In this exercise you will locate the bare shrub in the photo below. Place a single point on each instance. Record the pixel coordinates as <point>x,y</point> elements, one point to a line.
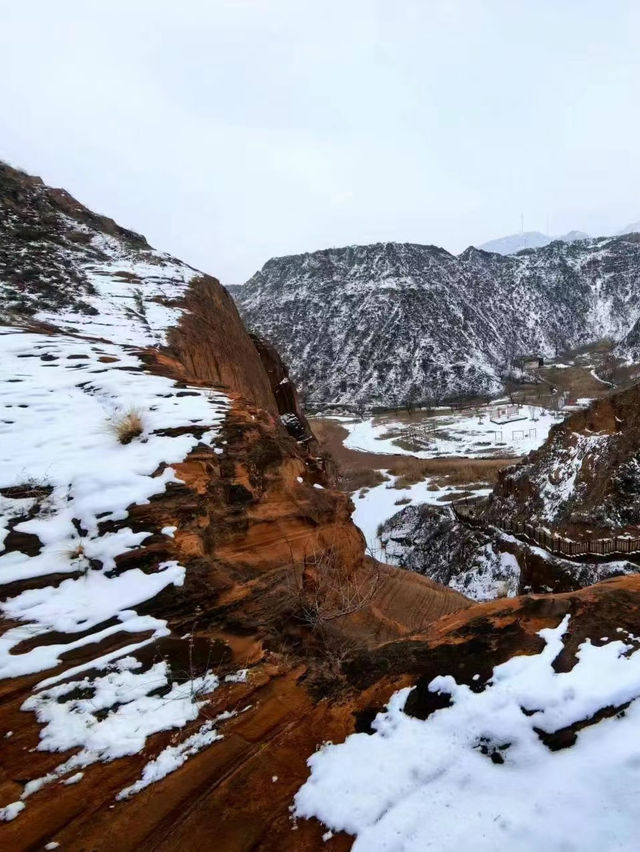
<point>127,426</point>
<point>325,589</point>
<point>407,480</point>
<point>76,551</point>
<point>37,489</point>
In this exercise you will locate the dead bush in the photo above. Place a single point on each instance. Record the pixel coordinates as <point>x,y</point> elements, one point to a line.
<point>324,589</point>
<point>127,426</point>
<point>407,480</point>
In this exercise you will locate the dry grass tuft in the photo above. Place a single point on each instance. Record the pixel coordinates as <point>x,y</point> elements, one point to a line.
<point>353,479</point>
<point>76,551</point>
<point>406,480</point>
<point>127,426</point>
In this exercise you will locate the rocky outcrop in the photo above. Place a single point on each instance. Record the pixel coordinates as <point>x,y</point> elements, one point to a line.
<point>212,345</point>
<point>432,541</point>
<point>174,554</point>
<point>482,561</point>
<point>392,323</point>
<point>585,478</point>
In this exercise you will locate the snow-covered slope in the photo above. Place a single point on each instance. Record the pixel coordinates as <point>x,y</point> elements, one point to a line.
<point>528,240</point>
<point>87,433</point>
<point>585,477</point>
<point>633,228</point>
<point>530,758</point>
<point>388,322</point>
<point>68,473</point>
<point>62,264</point>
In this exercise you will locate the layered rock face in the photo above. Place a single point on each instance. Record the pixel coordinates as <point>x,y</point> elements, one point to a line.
<point>392,322</point>
<point>180,580</point>
<point>585,478</point>
<point>187,612</point>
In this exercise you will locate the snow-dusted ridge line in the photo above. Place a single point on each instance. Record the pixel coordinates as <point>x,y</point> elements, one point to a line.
<point>387,323</point>
<point>477,775</point>
<point>133,296</point>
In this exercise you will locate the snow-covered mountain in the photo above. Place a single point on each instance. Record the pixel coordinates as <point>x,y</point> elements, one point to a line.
<point>389,322</point>
<point>527,240</point>
<point>633,228</point>
<point>135,410</point>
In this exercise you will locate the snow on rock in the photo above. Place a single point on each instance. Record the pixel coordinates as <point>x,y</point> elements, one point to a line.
<point>135,297</point>
<point>477,773</point>
<point>374,506</point>
<point>64,472</point>
<point>11,811</point>
<point>587,474</point>
<point>60,263</point>
<point>172,758</point>
<point>78,723</point>
<point>560,485</point>
<point>388,323</point>
<point>429,540</point>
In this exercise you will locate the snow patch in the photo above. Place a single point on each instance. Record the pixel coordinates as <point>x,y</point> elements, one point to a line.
<point>477,775</point>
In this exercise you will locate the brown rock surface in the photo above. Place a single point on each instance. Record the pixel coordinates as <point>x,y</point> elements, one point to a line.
<point>276,581</point>
<point>245,526</point>
<point>236,794</point>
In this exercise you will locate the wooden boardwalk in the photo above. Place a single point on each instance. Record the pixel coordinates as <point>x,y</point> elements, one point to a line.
<point>552,541</point>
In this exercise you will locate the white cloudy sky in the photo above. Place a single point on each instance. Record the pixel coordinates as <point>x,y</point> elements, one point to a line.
<point>231,131</point>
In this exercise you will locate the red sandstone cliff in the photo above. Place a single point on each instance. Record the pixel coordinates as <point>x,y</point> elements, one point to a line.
<point>274,577</point>
<point>169,462</point>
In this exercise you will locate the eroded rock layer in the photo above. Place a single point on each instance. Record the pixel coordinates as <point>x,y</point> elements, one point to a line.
<point>175,561</point>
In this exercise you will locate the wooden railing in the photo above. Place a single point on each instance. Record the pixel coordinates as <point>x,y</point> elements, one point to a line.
<point>555,542</point>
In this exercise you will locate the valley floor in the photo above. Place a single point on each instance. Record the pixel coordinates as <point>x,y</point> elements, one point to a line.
<point>440,456</point>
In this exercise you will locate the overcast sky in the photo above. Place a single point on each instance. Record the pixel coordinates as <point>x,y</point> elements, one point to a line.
<point>230,132</point>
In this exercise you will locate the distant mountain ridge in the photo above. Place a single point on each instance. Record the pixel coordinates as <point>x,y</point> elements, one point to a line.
<point>384,323</point>
<point>528,239</point>
<point>633,228</point>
